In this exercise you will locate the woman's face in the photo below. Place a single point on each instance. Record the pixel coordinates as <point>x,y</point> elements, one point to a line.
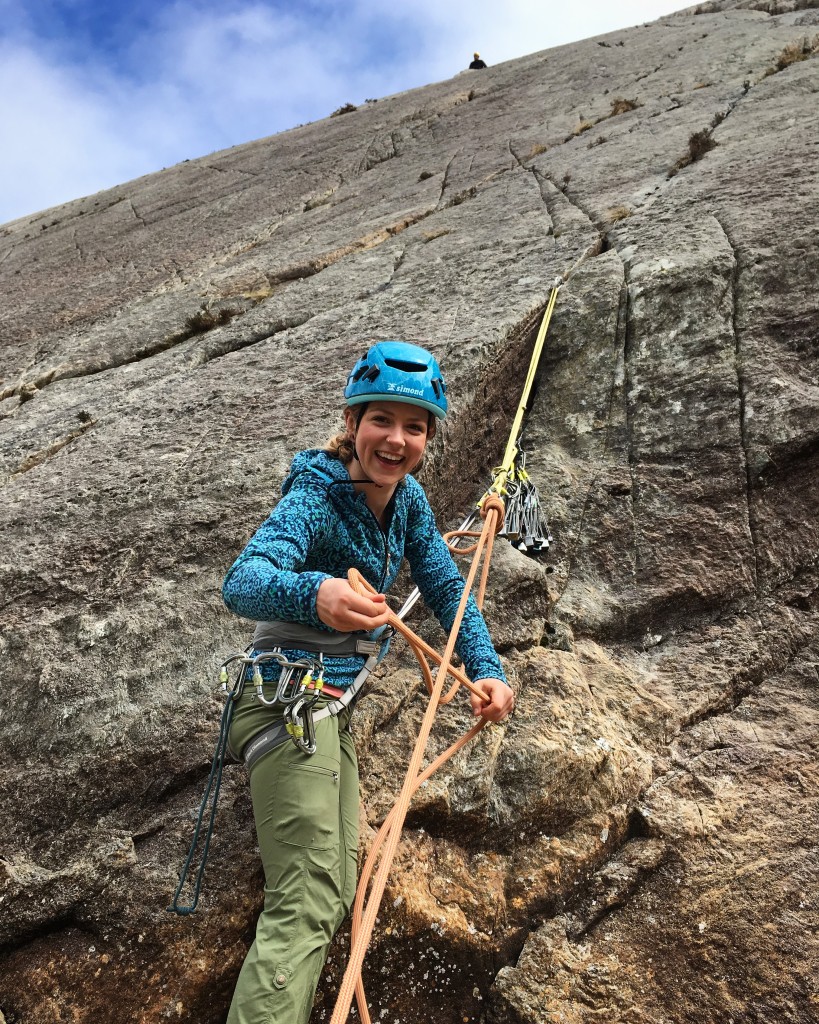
<point>389,440</point>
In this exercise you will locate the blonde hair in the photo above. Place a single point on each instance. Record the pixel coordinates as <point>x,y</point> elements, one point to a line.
<point>342,446</point>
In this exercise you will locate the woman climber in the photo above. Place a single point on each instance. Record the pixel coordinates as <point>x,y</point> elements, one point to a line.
<point>352,504</point>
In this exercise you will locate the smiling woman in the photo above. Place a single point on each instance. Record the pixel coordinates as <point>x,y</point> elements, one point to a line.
<point>353,504</point>
<point>394,395</point>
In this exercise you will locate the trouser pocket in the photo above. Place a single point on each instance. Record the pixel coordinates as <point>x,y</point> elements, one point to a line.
<point>307,803</point>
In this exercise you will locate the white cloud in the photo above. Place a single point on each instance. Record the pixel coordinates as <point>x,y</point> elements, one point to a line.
<point>454,29</point>
<point>52,129</point>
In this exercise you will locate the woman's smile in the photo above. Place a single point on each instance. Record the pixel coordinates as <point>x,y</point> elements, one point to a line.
<point>390,457</point>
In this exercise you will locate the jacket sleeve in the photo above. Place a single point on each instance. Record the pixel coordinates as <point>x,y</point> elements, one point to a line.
<point>267,580</point>
<point>441,585</point>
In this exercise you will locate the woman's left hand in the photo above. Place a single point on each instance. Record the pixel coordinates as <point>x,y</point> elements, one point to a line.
<point>501,700</point>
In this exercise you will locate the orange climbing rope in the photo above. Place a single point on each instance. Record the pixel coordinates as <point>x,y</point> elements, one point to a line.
<point>386,842</point>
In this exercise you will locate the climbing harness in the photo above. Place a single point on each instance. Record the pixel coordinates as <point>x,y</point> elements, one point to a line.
<point>278,733</point>
<point>299,688</point>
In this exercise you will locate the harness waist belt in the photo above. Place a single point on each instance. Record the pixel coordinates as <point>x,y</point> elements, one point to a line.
<point>277,734</point>
<point>276,633</point>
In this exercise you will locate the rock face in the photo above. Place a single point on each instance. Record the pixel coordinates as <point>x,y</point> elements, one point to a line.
<point>639,842</point>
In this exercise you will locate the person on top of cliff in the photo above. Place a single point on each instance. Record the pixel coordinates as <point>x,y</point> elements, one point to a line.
<point>476,62</point>
<point>351,503</point>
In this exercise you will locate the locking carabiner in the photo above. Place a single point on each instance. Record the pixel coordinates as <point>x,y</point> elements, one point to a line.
<point>298,718</point>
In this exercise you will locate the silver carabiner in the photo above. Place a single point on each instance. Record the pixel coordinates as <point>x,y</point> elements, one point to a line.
<point>289,689</point>
<point>235,690</point>
<point>294,678</point>
<point>258,681</point>
<point>298,717</point>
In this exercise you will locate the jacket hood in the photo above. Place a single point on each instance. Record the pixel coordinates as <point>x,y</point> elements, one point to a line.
<point>319,465</point>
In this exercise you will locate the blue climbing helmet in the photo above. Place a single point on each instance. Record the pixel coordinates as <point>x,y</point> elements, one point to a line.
<point>396,371</point>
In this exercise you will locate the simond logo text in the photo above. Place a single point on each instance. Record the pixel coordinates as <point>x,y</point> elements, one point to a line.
<point>401,389</point>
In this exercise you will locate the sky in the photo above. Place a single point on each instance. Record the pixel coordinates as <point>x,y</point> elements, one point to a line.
<point>98,92</point>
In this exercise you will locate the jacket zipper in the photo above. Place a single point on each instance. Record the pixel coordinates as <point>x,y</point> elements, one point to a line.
<point>385,542</point>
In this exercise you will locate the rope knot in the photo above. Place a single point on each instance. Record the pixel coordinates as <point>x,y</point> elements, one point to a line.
<point>494,501</point>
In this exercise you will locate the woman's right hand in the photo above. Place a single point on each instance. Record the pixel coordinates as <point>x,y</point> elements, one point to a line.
<point>341,608</point>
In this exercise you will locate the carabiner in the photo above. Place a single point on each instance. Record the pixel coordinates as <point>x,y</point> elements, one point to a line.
<point>258,681</point>
<point>293,680</point>
<point>298,717</point>
<point>234,692</point>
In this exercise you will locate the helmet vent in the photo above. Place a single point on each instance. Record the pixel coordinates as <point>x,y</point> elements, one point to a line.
<point>365,373</point>
<point>406,367</point>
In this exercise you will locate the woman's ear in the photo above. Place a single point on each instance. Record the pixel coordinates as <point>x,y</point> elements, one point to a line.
<point>350,421</point>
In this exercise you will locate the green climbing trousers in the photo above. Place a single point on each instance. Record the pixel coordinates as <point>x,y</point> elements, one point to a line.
<point>306,813</point>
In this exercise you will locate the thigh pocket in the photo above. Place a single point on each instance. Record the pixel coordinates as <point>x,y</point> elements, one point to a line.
<point>306,807</point>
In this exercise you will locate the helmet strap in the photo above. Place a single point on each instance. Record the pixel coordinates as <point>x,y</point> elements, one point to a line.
<point>359,416</point>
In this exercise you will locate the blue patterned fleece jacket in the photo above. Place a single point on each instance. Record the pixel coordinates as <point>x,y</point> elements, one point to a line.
<point>320,528</point>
